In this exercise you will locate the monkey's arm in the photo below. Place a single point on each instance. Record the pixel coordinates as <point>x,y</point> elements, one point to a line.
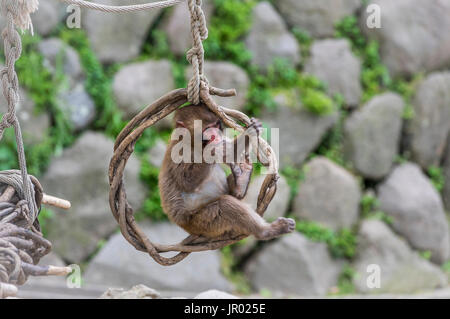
<point>242,167</point>
<point>239,179</point>
<point>237,150</point>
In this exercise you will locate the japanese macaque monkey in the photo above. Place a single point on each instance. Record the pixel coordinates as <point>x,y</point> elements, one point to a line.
<point>197,195</point>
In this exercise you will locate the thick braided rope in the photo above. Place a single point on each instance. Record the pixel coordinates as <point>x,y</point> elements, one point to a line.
<point>21,242</point>
<point>14,179</point>
<point>15,11</point>
<point>196,54</point>
<point>123,9</point>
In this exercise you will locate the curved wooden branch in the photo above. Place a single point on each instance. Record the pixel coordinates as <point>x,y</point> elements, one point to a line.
<point>124,147</point>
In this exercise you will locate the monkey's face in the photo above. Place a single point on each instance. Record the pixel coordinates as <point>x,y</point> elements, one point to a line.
<point>212,134</point>
<point>202,124</point>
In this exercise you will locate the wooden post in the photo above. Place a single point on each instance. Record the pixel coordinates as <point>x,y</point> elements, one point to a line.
<point>55,201</point>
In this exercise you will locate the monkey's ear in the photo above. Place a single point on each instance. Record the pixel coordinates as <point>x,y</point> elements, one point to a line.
<point>180,124</point>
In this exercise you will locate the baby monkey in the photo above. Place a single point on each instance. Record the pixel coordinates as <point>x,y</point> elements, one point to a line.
<point>199,197</point>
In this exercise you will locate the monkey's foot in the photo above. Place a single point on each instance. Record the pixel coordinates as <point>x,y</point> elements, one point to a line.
<point>287,225</point>
<point>279,227</point>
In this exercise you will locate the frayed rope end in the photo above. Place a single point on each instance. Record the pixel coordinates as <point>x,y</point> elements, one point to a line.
<point>23,19</point>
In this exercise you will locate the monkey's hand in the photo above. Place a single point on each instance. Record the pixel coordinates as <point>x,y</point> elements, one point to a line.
<point>239,179</point>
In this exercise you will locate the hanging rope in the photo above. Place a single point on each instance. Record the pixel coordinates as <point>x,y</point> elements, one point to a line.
<point>21,242</point>
<point>123,9</point>
<point>13,48</point>
<point>196,54</point>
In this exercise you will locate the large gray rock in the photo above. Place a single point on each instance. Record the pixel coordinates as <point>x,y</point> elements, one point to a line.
<point>136,292</point>
<point>49,15</point>
<point>119,264</point>
<point>401,269</point>
<point>139,84</point>
<point>328,195</point>
<point>78,106</point>
<point>157,152</point>
<point>372,135</point>
<point>300,131</point>
<point>215,294</point>
<point>280,203</point>
<point>317,17</point>
<point>269,38</point>
<point>177,26</point>
<point>58,54</point>
<point>117,37</point>
<point>294,265</point>
<point>226,75</point>
<point>416,209</point>
<point>34,125</point>
<point>80,175</point>
<point>412,37</point>
<point>333,62</point>
<point>73,100</point>
<point>429,128</point>
<point>446,171</point>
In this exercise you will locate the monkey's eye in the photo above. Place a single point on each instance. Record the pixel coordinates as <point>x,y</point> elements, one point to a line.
<point>217,124</point>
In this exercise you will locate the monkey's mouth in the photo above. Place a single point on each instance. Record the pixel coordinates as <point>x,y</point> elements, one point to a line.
<point>213,140</point>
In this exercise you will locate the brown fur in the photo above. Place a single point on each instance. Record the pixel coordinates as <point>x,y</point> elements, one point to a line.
<point>199,198</point>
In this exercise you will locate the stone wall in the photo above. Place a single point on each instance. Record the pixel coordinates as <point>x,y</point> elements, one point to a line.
<point>368,182</point>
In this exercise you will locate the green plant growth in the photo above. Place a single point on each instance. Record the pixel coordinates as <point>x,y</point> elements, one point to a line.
<point>446,267</point>
<point>227,27</point>
<point>305,41</point>
<point>313,95</point>
<point>152,205</point>
<point>332,145</point>
<point>231,20</point>
<point>157,47</point>
<point>97,83</point>
<point>43,88</point>
<point>437,177</point>
<point>44,216</point>
<point>8,156</point>
<point>109,119</point>
<point>426,254</point>
<point>293,177</point>
<point>345,282</point>
<point>375,77</point>
<point>407,90</point>
<point>370,209</point>
<point>281,76</point>
<point>229,269</point>
<point>341,243</point>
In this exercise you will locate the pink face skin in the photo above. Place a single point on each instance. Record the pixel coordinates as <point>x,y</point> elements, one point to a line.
<point>212,134</point>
